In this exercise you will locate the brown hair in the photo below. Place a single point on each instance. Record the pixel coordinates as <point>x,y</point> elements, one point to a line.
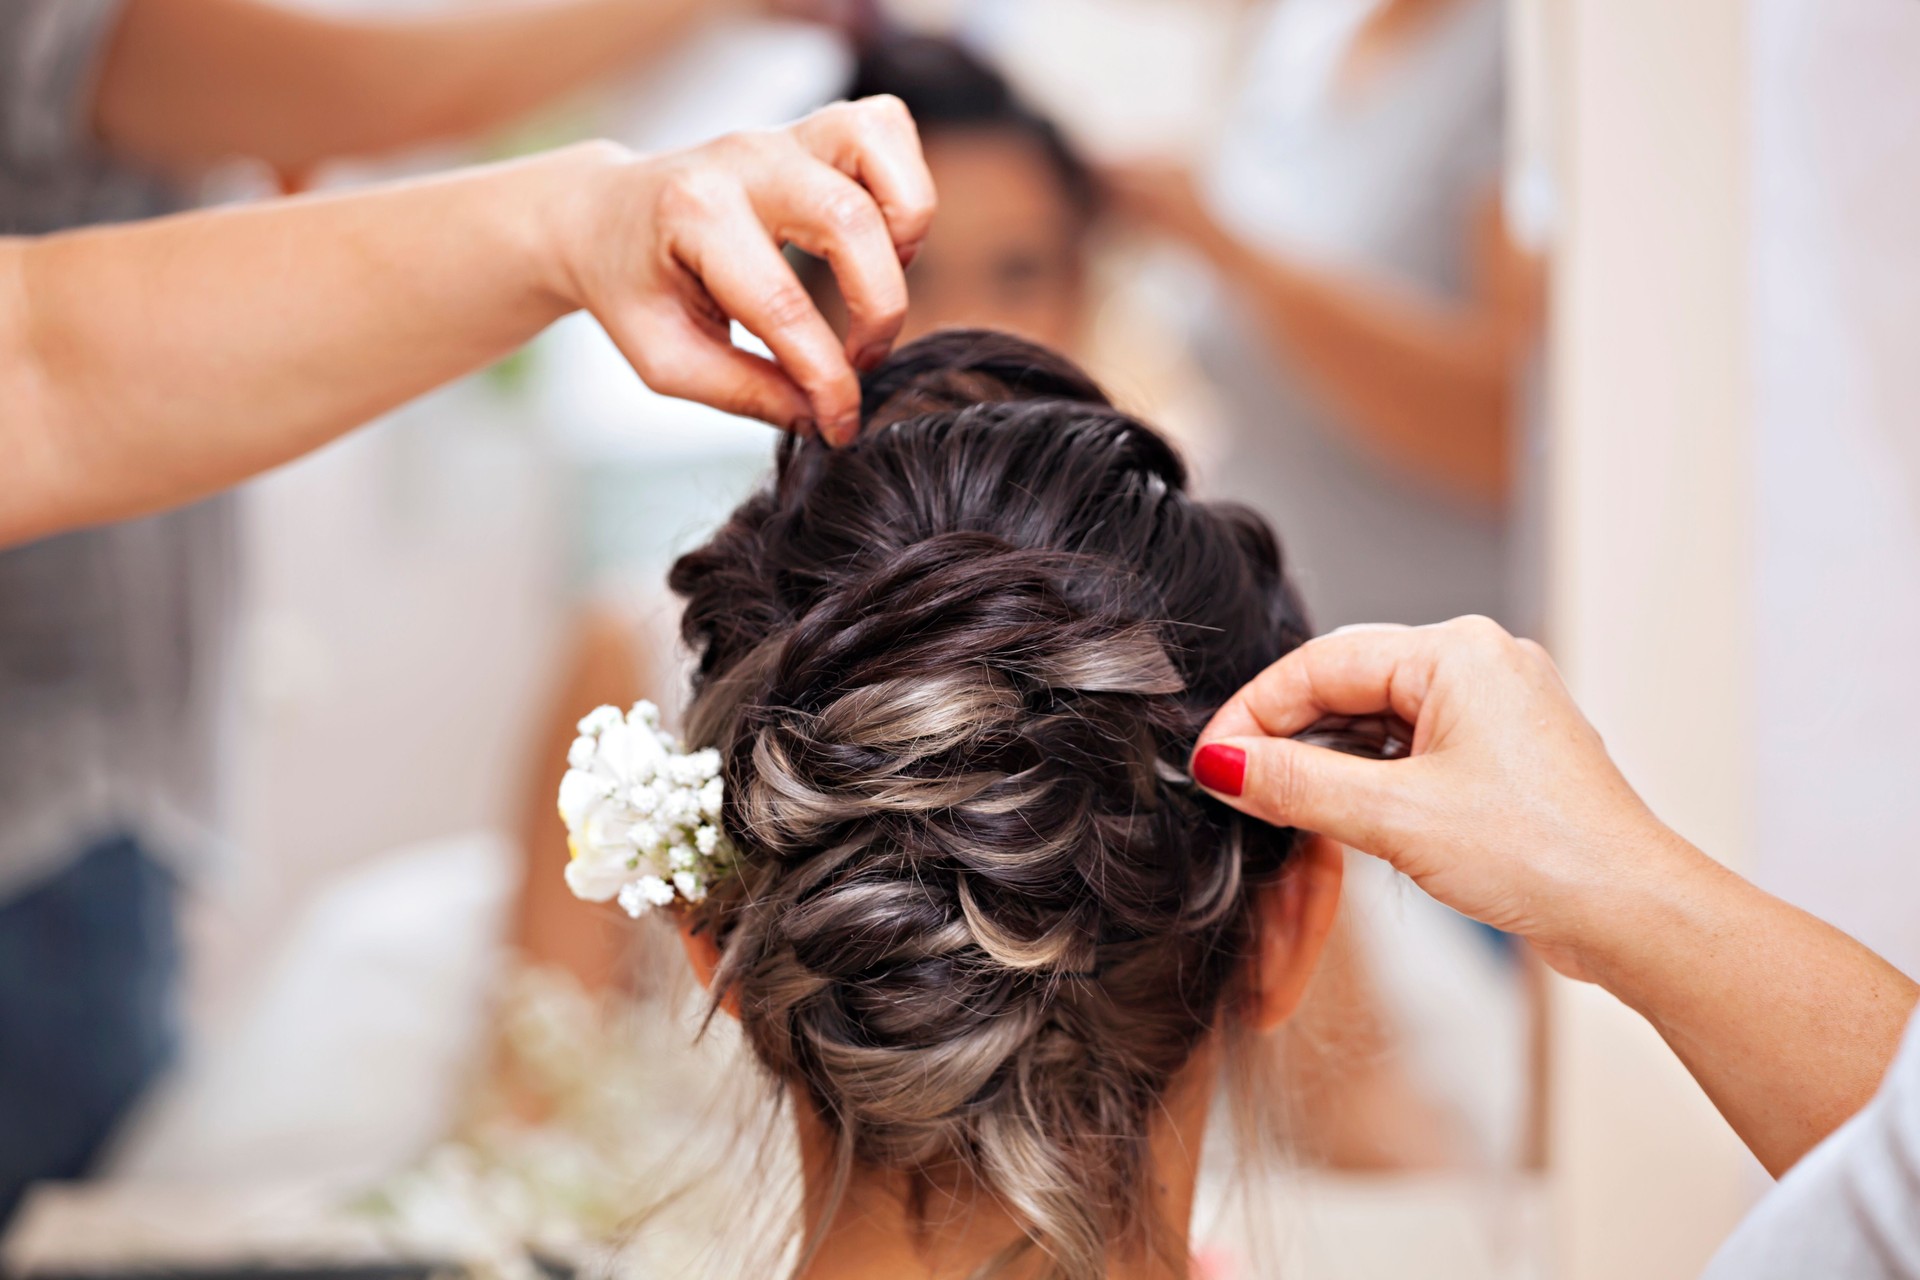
<point>955,670</point>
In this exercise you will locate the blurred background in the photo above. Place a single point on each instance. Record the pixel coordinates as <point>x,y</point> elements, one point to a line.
<point>1585,314</point>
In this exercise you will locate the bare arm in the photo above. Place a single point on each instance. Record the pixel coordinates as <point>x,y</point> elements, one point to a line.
<point>146,365</point>
<point>188,82</point>
<point>1510,811</point>
<point>1424,384</point>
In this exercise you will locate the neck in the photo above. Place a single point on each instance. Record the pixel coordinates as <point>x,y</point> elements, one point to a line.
<point>873,1233</point>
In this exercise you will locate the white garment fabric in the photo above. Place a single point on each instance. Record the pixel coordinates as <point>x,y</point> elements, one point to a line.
<point>1850,1210</point>
<point>1381,177</point>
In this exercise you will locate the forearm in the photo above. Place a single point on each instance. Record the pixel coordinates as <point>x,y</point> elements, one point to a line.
<point>1787,1023</point>
<point>158,362</point>
<point>1425,386</point>
<point>189,82</point>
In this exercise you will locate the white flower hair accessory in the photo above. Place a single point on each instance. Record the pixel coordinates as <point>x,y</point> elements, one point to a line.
<point>642,813</point>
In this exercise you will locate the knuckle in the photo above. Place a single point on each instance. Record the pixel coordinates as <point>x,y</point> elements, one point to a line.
<point>743,144</point>
<point>693,192</point>
<point>887,116</point>
<point>747,152</point>
<point>1480,629</point>
<point>885,106</point>
<point>835,117</point>
<point>1279,783</point>
<point>742,393</point>
<point>603,152</point>
<point>785,305</point>
<point>847,213</point>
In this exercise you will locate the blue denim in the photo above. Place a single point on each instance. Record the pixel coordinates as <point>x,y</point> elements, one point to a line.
<point>89,962</point>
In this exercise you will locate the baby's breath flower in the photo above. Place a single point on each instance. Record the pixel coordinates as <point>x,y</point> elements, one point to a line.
<point>637,898</point>
<point>598,719</point>
<point>638,809</point>
<point>580,754</point>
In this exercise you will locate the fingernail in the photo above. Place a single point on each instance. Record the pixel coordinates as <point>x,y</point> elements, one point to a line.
<point>806,428</point>
<point>844,429</point>
<point>870,358</point>
<point>1220,768</point>
<point>908,252</point>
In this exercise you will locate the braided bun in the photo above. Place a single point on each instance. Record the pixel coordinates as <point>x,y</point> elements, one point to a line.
<point>954,671</point>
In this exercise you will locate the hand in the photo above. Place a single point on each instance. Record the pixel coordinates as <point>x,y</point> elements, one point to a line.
<point>666,250</point>
<point>861,19</point>
<point>1508,810</point>
<point>1162,195</point>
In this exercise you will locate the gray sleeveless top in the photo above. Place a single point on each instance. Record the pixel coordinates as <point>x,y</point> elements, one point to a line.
<point>1383,180</point>
<point>112,641</point>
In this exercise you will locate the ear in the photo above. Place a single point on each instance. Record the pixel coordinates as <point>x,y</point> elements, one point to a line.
<point>704,956</point>
<point>1292,918</point>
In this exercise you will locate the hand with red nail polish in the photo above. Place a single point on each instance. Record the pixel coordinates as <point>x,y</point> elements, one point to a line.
<point>1508,810</point>
<point>669,251</point>
<point>1220,767</point>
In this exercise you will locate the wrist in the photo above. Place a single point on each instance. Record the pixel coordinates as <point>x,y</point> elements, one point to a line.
<point>1646,923</point>
<point>568,194</point>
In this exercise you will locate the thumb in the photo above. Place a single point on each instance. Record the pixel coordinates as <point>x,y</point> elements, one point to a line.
<point>1292,784</point>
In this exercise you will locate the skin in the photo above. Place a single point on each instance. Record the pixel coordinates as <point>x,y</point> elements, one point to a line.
<point>872,1236</point>
<point>187,83</point>
<point>1009,252</point>
<point>1510,811</point>
<point>1425,385</point>
<point>150,364</point>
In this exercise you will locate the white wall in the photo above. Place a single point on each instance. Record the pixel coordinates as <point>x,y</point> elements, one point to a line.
<point>1649,565</point>
<point>1837,319</point>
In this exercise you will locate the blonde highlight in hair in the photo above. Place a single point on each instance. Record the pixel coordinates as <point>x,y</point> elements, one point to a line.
<point>981,920</point>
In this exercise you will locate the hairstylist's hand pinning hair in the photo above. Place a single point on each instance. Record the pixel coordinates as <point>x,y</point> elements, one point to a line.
<point>667,250</point>
<point>1508,810</point>
<point>268,352</point>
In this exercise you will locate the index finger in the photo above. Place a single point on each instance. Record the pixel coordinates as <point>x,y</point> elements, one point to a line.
<point>1356,671</point>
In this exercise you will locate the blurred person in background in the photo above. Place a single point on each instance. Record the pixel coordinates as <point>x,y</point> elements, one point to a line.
<point>115,642</point>
<point>1353,207</point>
<point>1015,250</point>
<point>1377,379</point>
<point>1010,252</point>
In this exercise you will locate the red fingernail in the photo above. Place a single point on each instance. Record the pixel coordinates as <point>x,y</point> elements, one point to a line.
<point>908,252</point>
<point>868,360</point>
<point>1219,767</point>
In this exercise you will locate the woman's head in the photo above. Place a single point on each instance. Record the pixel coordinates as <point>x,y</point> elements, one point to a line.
<point>1016,202</point>
<point>981,920</point>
